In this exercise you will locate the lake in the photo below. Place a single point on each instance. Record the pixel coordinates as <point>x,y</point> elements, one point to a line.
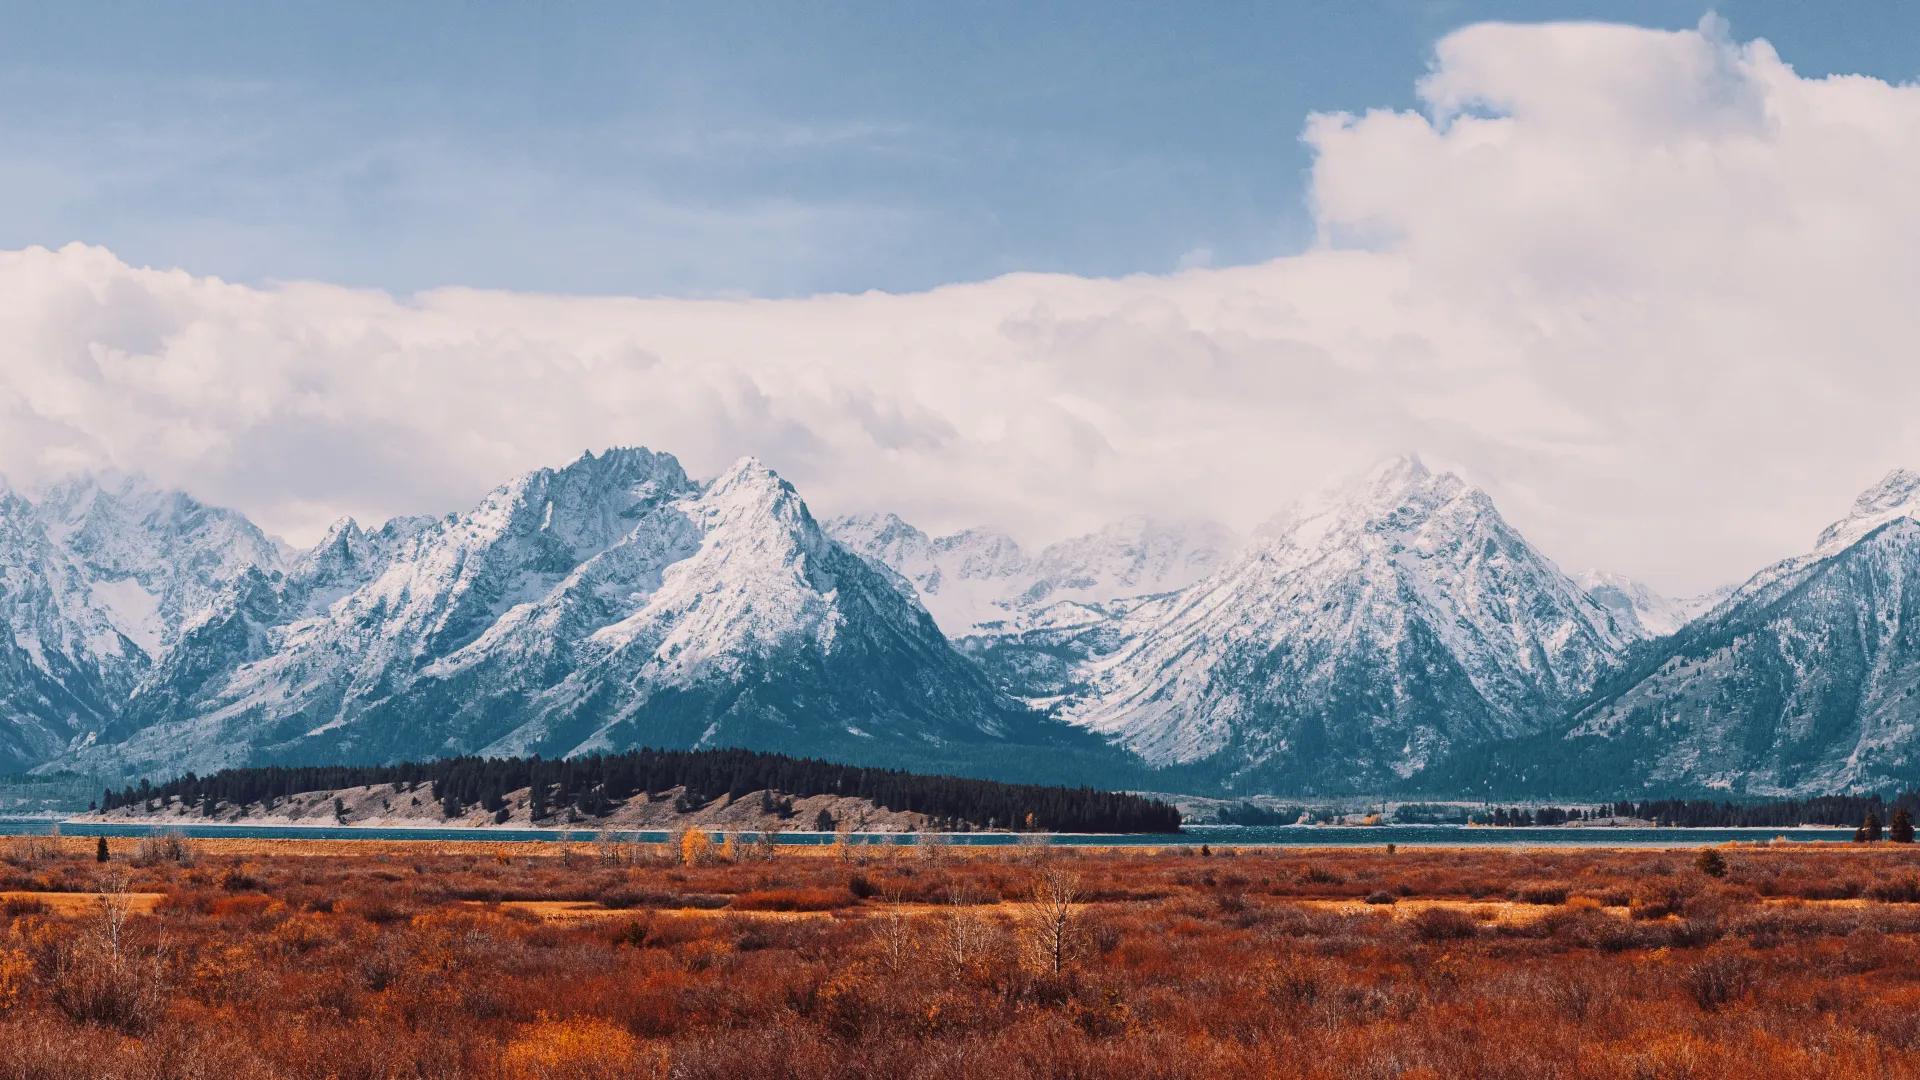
<point>1220,835</point>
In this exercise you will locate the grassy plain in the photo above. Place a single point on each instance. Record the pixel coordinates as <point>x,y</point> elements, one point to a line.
<point>348,959</point>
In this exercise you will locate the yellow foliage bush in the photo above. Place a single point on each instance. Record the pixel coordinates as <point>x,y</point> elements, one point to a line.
<point>15,965</point>
<point>577,1047</point>
<point>696,847</point>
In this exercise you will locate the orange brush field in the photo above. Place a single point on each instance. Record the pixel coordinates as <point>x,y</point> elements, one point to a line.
<point>284,959</point>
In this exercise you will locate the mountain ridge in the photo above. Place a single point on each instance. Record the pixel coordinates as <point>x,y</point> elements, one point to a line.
<point>605,604</point>
<point>1365,632</point>
<point>1393,632</point>
<point>1805,679</point>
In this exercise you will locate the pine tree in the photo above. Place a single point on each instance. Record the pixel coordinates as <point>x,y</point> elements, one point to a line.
<point>1869,831</point>
<point>1901,831</point>
<point>100,853</point>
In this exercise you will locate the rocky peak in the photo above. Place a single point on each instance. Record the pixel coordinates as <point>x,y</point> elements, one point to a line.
<point>1897,495</point>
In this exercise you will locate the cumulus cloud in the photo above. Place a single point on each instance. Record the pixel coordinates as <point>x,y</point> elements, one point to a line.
<point>1654,290</point>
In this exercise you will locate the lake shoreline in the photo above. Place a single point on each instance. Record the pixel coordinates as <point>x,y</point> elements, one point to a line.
<point>1224,837</point>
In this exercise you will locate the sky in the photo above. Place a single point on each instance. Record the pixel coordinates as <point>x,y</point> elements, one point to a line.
<point>1033,266</point>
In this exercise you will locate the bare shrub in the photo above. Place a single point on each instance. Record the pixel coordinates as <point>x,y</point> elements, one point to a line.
<point>1717,979</point>
<point>1905,890</point>
<point>97,976</point>
<point>934,849</point>
<point>165,846</point>
<point>894,932</point>
<point>1052,920</point>
<point>28,852</point>
<point>1542,892</point>
<point>1445,924</point>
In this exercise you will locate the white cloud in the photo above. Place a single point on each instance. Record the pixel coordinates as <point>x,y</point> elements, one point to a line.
<point>1653,289</point>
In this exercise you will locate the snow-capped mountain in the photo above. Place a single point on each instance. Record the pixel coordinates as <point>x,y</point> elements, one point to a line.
<point>1394,631</point>
<point>1362,636</point>
<point>612,603</point>
<point>980,581</point>
<point>1805,680</point>
<point>1641,610</point>
<point>962,579</point>
<point>155,559</point>
<point>63,666</point>
<point>96,579</point>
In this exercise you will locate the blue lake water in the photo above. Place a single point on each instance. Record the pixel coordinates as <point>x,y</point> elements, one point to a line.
<point>1219,835</point>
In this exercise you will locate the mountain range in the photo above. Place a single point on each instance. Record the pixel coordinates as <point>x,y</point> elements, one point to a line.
<point>1393,634</point>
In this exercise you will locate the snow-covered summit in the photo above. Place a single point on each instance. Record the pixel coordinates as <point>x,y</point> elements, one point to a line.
<point>611,602</point>
<point>156,558</point>
<point>1365,632</point>
<point>1801,681</point>
<point>1897,495</point>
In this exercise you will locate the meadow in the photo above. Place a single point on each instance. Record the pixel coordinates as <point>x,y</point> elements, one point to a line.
<point>210,958</point>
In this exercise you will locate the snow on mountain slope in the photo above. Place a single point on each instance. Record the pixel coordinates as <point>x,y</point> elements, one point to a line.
<point>346,558</point>
<point>1642,611</point>
<point>63,665</point>
<point>156,559</point>
<point>1894,498</point>
<point>963,580</point>
<point>1806,679</point>
<point>1363,635</point>
<point>611,603</point>
<point>981,582</point>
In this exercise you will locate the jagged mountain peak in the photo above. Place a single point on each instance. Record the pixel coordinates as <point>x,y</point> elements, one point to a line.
<point>577,509</point>
<point>751,478</point>
<point>1372,628</point>
<point>749,494</point>
<point>1897,495</point>
<point>876,532</point>
<point>1804,680</point>
<point>1397,471</point>
<point>606,603</point>
<point>155,558</point>
<point>1397,497</point>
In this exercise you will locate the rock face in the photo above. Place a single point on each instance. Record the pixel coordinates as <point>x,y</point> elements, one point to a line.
<point>1360,638</point>
<point>609,604</point>
<point>1805,680</point>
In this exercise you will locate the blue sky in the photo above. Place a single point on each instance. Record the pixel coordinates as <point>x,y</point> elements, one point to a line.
<point>729,149</point>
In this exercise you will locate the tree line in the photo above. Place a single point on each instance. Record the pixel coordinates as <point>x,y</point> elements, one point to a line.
<point>593,786</point>
<point>1711,814</point>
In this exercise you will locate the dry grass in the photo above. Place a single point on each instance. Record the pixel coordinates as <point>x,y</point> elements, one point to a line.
<point>259,959</point>
<point>77,903</point>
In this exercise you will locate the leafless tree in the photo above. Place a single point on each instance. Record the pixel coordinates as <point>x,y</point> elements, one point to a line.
<point>1034,847</point>
<point>1052,918</point>
<point>764,845</point>
<point>894,930</point>
<point>934,848</point>
<point>163,847</point>
<point>968,936</point>
<point>100,977</point>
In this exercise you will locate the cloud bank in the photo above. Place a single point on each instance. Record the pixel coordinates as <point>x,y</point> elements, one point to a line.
<point>1654,290</point>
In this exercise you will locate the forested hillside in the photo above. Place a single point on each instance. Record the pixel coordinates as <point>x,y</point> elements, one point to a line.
<point>594,785</point>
